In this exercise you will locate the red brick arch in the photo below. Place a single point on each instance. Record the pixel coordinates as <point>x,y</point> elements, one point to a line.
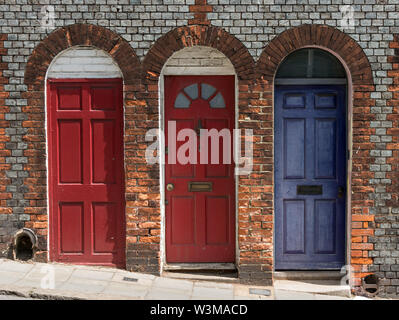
<point>188,36</point>
<point>87,35</point>
<point>319,35</point>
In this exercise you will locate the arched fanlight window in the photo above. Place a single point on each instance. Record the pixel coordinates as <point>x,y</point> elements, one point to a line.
<point>311,63</point>
<point>202,91</point>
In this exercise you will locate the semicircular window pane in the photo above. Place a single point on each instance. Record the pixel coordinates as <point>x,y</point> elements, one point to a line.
<point>294,66</point>
<point>311,63</point>
<point>217,101</point>
<point>207,91</point>
<point>325,65</point>
<point>192,91</point>
<point>182,101</point>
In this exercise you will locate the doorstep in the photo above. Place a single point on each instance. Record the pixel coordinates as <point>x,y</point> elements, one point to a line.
<point>321,287</point>
<point>329,282</point>
<point>216,272</point>
<point>199,266</point>
<point>202,276</point>
<point>308,275</point>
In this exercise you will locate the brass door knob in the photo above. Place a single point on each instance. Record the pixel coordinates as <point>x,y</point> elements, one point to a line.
<point>170,186</point>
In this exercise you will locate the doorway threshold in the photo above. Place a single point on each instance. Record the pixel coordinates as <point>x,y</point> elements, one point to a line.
<point>215,276</point>
<point>332,275</point>
<point>322,287</point>
<point>199,266</point>
<point>217,272</point>
<point>330,283</point>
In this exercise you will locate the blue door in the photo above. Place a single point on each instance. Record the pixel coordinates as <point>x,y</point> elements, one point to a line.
<point>310,177</point>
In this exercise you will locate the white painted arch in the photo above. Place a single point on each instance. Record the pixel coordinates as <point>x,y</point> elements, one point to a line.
<point>198,60</point>
<point>83,62</point>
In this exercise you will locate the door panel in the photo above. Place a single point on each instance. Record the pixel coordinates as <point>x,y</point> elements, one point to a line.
<point>222,154</point>
<point>310,171</point>
<point>325,226</point>
<point>70,151</point>
<point>325,150</point>
<point>294,226</point>
<point>217,220</point>
<point>71,227</point>
<point>294,142</point>
<point>103,159</point>
<point>179,170</point>
<point>183,220</point>
<point>200,224</point>
<point>103,98</point>
<point>69,98</point>
<point>85,134</point>
<point>104,227</point>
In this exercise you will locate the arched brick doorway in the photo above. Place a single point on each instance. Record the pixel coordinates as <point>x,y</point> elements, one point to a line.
<point>360,84</point>
<point>90,36</point>
<point>193,43</point>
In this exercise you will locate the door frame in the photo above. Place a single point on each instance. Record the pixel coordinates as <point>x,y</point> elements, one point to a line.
<point>162,180</point>
<point>49,151</point>
<point>349,153</point>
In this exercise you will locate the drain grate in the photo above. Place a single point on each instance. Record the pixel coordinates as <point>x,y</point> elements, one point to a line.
<point>262,292</point>
<point>370,284</point>
<point>130,279</point>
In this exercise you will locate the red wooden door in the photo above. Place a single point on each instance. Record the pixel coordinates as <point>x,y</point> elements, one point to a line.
<point>200,225</point>
<point>86,176</point>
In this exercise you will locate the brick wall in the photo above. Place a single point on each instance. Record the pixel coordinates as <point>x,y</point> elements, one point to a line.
<point>140,35</point>
<point>385,255</point>
<point>9,222</point>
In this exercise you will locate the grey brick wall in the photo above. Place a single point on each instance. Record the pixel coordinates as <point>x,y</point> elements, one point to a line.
<point>255,23</point>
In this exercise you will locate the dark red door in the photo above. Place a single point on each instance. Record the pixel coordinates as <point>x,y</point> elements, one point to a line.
<point>200,209</point>
<point>86,177</point>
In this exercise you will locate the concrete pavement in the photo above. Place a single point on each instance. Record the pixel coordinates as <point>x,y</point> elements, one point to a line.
<point>61,281</point>
<point>12,297</point>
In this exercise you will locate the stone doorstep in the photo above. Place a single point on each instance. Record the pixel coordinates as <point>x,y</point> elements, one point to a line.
<point>200,266</point>
<point>195,276</point>
<point>332,288</point>
<point>308,275</point>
